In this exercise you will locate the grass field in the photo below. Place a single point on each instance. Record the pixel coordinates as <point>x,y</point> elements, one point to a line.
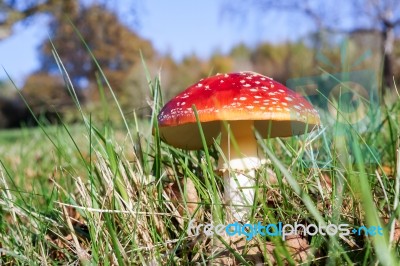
<point>97,193</point>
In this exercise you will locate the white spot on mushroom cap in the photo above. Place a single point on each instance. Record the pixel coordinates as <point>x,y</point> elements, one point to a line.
<point>250,107</point>
<point>242,98</point>
<point>257,97</point>
<point>254,90</point>
<point>289,99</point>
<point>246,85</point>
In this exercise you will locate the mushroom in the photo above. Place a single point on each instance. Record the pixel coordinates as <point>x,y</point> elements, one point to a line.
<point>234,105</point>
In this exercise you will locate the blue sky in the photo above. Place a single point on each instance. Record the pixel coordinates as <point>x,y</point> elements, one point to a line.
<point>176,26</point>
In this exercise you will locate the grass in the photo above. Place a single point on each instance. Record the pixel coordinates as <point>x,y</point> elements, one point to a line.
<point>95,193</point>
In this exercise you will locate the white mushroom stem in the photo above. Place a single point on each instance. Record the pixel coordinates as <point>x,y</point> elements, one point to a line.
<point>239,168</point>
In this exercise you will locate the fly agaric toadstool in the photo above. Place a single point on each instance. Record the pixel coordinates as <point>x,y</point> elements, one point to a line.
<point>245,101</point>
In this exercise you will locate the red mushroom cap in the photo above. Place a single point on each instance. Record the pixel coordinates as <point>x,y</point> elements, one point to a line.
<point>276,110</point>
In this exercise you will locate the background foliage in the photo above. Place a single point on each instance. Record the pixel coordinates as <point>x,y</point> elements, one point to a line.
<point>117,49</point>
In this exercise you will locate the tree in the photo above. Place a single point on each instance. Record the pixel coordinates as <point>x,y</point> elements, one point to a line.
<point>14,11</point>
<point>241,57</point>
<point>12,109</point>
<point>220,63</point>
<point>115,47</point>
<point>342,17</point>
<point>46,94</point>
<point>12,113</point>
<point>190,70</point>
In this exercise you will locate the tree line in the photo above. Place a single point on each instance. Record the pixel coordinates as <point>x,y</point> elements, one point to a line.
<point>118,50</point>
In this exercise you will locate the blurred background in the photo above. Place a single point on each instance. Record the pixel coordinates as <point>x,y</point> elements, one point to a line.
<point>182,42</point>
